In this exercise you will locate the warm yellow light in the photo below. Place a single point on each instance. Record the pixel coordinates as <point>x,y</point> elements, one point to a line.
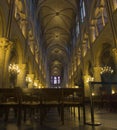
<point>14,69</point>
<point>106,69</point>
<point>39,87</point>
<point>28,79</point>
<point>113,92</point>
<point>76,86</point>
<point>35,84</point>
<point>93,94</point>
<point>90,79</point>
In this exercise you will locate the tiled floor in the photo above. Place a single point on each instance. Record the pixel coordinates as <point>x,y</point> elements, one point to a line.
<point>52,122</point>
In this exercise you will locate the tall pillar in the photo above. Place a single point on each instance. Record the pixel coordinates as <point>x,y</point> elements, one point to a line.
<point>66,76</point>
<point>97,78</point>
<point>72,81</point>
<point>115,59</point>
<point>31,84</point>
<point>69,81</point>
<point>21,77</point>
<point>5,50</point>
<point>92,33</point>
<point>86,85</point>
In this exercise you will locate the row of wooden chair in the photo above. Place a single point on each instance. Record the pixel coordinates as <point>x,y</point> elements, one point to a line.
<point>27,101</point>
<point>106,101</point>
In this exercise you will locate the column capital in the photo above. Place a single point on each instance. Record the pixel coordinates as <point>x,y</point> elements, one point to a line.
<point>114,50</point>
<point>5,43</point>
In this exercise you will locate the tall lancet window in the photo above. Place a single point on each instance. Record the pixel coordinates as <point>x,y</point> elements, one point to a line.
<point>82,11</point>
<point>55,80</point>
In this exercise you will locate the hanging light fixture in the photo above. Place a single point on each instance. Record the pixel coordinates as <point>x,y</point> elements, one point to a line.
<point>106,70</point>
<point>28,80</point>
<point>14,69</point>
<point>90,79</point>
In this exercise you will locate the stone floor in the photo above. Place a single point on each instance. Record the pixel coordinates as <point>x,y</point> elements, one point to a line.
<point>52,122</point>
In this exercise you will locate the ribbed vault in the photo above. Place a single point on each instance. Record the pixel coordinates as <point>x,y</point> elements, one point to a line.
<point>57,19</point>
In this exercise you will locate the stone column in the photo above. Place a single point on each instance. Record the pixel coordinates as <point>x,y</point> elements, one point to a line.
<point>31,84</point>
<point>86,85</point>
<point>97,78</point>
<point>92,33</point>
<point>5,51</point>
<point>115,58</point>
<point>72,81</point>
<point>66,76</point>
<point>115,61</point>
<point>21,77</point>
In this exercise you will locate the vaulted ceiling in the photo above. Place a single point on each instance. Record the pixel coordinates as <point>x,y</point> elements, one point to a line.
<point>57,19</point>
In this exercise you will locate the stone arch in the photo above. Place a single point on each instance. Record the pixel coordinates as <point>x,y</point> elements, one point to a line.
<point>103,55</point>
<point>107,59</point>
<point>106,56</point>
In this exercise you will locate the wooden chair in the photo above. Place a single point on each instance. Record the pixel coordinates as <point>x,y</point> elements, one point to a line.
<point>30,102</point>
<point>50,98</point>
<point>72,97</point>
<point>10,99</point>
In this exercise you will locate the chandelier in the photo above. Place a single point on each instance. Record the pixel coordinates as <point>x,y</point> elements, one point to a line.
<point>90,79</point>
<point>14,69</point>
<point>28,80</point>
<point>106,70</point>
